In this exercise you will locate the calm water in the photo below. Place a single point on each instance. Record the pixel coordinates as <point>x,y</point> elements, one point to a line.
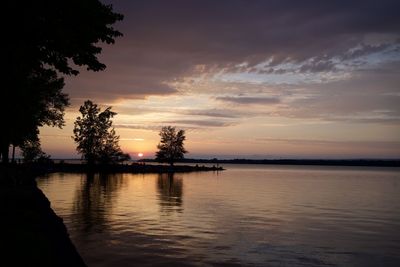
<point>244,216</point>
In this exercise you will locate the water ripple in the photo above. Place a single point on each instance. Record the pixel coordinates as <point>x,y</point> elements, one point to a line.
<point>252,216</point>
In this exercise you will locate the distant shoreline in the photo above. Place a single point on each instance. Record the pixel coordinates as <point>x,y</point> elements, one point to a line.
<point>136,165</point>
<point>307,162</point>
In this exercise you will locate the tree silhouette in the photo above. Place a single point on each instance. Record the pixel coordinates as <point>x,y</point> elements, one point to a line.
<point>45,39</point>
<point>171,146</point>
<point>96,139</point>
<point>32,151</point>
<point>40,102</point>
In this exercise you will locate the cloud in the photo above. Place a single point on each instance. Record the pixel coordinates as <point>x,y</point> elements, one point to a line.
<point>193,124</point>
<point>165,41</point>
<point>183,123</point>
<point>370,96</point>
<point>138,126</point>
<point>330,142</point>
<point>249,100</point>
<point>217,113</point>
<point>367,49</point>
<point>200,123</point>
<point>318,66</point>
<point>132,139</point>
<point>114,84</point>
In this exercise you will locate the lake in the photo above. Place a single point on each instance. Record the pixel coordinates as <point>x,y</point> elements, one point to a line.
<point>248,215</point>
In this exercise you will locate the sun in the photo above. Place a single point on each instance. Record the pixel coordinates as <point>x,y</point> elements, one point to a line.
<point>140,155</point>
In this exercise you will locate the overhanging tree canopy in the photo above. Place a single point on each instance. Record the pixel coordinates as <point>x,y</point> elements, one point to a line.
<point>43,39</point>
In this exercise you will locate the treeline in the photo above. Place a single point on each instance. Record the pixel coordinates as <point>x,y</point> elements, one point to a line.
<point>98,143</point>
<point>322,162</point>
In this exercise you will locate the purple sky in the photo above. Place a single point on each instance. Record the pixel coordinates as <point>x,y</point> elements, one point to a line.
<point>249,79</point>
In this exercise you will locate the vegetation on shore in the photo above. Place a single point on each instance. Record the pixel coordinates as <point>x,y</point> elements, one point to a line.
<point>171,147</point>
<point>49,167</point>
<point>95,137</point>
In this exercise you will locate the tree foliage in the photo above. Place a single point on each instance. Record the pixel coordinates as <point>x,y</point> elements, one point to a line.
<point>32,151</point>
<point>55,34</point>
<point>95,136</point>
<point>171,147</point>
<point>43,40</point>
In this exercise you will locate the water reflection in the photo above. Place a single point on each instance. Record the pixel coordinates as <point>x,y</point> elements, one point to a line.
<point>94,200</point>
<point>248,217</point>
<point>170,191</point>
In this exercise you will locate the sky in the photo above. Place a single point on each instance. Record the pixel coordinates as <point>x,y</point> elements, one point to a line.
<point>248,79</point>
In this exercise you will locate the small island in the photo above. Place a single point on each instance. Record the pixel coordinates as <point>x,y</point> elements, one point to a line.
<point>119,168</point>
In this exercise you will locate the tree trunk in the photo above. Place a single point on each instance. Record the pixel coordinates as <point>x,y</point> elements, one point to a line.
<point>4,152</point>
<point>13,155</point>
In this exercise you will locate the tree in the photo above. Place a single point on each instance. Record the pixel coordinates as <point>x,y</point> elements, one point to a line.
<point>171,147</point>
<point>40,102</point>
<point>43,39</point>
<point>32,151</point>
<point>95,136</point>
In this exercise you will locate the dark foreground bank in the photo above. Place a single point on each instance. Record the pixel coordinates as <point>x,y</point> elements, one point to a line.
<point>31,233</point>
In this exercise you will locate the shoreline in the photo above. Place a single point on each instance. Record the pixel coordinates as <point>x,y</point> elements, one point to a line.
<point>284,161</point>
<point>298,162</point>
<point>121,168</point>
<point>32,233</point>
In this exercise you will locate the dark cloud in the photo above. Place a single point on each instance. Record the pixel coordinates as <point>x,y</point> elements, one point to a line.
<point>249,100</point>
<point>164,40</point>
<point>230,31</point>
